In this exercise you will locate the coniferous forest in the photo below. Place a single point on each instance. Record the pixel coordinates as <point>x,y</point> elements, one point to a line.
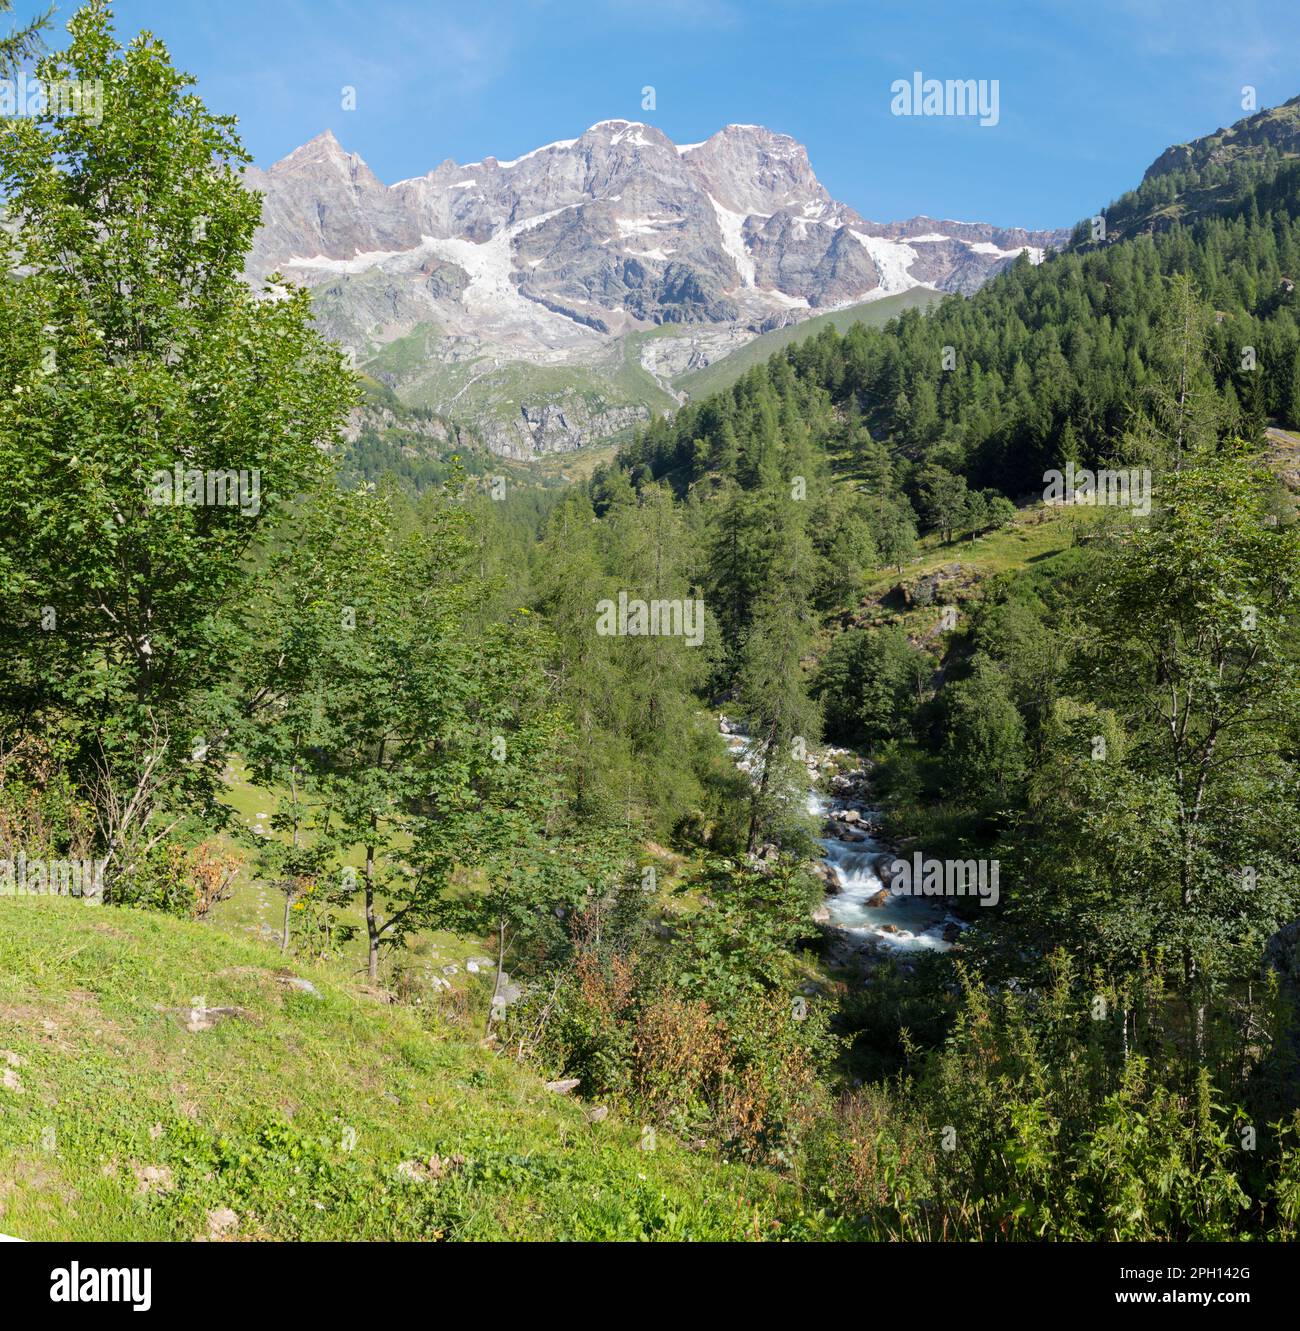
<point>799,823</point>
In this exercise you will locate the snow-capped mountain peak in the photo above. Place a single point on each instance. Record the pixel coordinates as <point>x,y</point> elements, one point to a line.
<point>549,256</point>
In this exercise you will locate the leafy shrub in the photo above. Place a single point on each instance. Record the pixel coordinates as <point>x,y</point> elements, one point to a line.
<point>1039,1120</point>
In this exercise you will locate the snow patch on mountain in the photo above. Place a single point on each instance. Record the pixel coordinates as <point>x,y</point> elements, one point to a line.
<point>643,226</point>
<point>490,265</point>
<point>893,259</point>
<point>559,144</point>
<point>732,226</point>
<point>359,263</point>
<point>987,247</point>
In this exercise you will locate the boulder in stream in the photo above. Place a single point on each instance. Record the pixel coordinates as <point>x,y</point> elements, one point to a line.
<point>826,874</point>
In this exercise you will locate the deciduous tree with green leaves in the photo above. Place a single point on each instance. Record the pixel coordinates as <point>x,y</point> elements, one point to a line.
<point>364,675</point>
<point>133,348</point>
<point>784,723</point>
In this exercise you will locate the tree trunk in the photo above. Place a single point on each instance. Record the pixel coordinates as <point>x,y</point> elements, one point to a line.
<point>288,896</point>
<point>372,932</point>
<point>756,802</point>
<point>496,984</point>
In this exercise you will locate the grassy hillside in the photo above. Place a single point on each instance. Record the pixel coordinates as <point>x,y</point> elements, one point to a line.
<point>605,399</point>
<point>163,1080</point>
<point>874,313</point>
<point>486,392</point>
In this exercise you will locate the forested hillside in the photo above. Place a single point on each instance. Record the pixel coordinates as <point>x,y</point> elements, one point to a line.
<point>1046,364</point>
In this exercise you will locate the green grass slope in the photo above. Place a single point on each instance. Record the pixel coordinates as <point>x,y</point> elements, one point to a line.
<point>293,1115</point>
<point>486,392</point>
<point>874,313</point>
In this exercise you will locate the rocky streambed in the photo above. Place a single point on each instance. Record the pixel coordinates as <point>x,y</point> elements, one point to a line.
<point>859,911</point>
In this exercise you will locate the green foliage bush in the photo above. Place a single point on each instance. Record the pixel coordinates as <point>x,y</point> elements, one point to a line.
<point>1038,1120</point>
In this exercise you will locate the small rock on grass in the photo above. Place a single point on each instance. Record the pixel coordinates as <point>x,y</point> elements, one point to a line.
<point>222,1223</point>
<point>297,982</point>
<point>204,1019</point>
<point>153,1178</point>
<point>431,1170</point>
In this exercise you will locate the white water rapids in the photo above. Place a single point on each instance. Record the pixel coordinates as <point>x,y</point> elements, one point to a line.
<point>897,923</point>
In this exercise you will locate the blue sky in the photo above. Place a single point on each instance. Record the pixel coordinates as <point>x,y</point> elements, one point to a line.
<point>1089,90</point>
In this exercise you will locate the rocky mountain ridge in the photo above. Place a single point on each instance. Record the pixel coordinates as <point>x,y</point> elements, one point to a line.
<point>552,298</point>
<point>1203,176</point>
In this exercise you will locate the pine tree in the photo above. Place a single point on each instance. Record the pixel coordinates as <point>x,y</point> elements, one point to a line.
<point>21,44</point>
<point>1293,393</point>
